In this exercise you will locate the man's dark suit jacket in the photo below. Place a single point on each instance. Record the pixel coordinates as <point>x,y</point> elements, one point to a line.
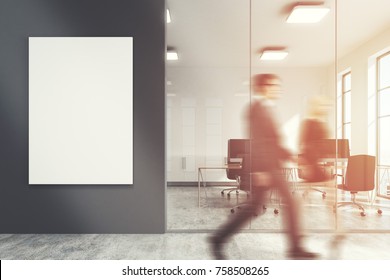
<point>267,152</point>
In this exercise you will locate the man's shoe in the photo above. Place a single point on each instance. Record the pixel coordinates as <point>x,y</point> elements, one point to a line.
<point>335,245</point>
<point>301,254</point>
<point>337,240</point>
<point>216,248</point>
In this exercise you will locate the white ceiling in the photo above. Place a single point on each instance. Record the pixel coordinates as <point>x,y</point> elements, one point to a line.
<point>228,33</point>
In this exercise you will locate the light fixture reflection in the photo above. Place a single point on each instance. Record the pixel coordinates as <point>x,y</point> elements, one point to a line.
<point>273,55</point>
<point>168,16</point>
<point>307,14</point>
<point>172,55</point>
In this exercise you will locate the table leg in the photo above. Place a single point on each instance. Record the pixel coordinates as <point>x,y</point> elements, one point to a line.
<point>199,187</point>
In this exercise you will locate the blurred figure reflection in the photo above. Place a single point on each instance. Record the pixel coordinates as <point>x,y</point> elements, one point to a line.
<point>266,158</point>
<point>313,130</point>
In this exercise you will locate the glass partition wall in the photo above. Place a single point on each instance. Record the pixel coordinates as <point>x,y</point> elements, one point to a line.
<point>209,89</point>
<point>306,75</point>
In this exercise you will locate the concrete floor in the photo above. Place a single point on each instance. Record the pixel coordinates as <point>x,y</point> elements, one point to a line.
<point>189,225</point>
<point>183,246</point>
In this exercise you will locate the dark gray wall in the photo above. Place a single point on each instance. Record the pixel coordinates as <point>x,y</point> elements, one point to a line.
<point>83,209</point>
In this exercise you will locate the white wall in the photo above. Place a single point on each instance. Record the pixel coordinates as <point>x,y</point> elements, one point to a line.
<point>363,90</point>
<point>205,108</point>
<point>298,85</point>
<point>203,113</point>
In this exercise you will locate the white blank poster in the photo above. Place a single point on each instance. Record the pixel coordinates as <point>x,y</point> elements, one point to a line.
<point>80,110</point>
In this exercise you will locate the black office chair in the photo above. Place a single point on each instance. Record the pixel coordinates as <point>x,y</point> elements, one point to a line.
<point>328,149</point>
<point>359,177</point>
<point>310,183</point>
<point>240,149</point>
<point>237,150</point>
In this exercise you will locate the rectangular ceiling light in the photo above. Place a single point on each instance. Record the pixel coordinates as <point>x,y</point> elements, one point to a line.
<point>168,16</point>
<point>307,14</point>
<point>172,55</point>
<point>273,55</point>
